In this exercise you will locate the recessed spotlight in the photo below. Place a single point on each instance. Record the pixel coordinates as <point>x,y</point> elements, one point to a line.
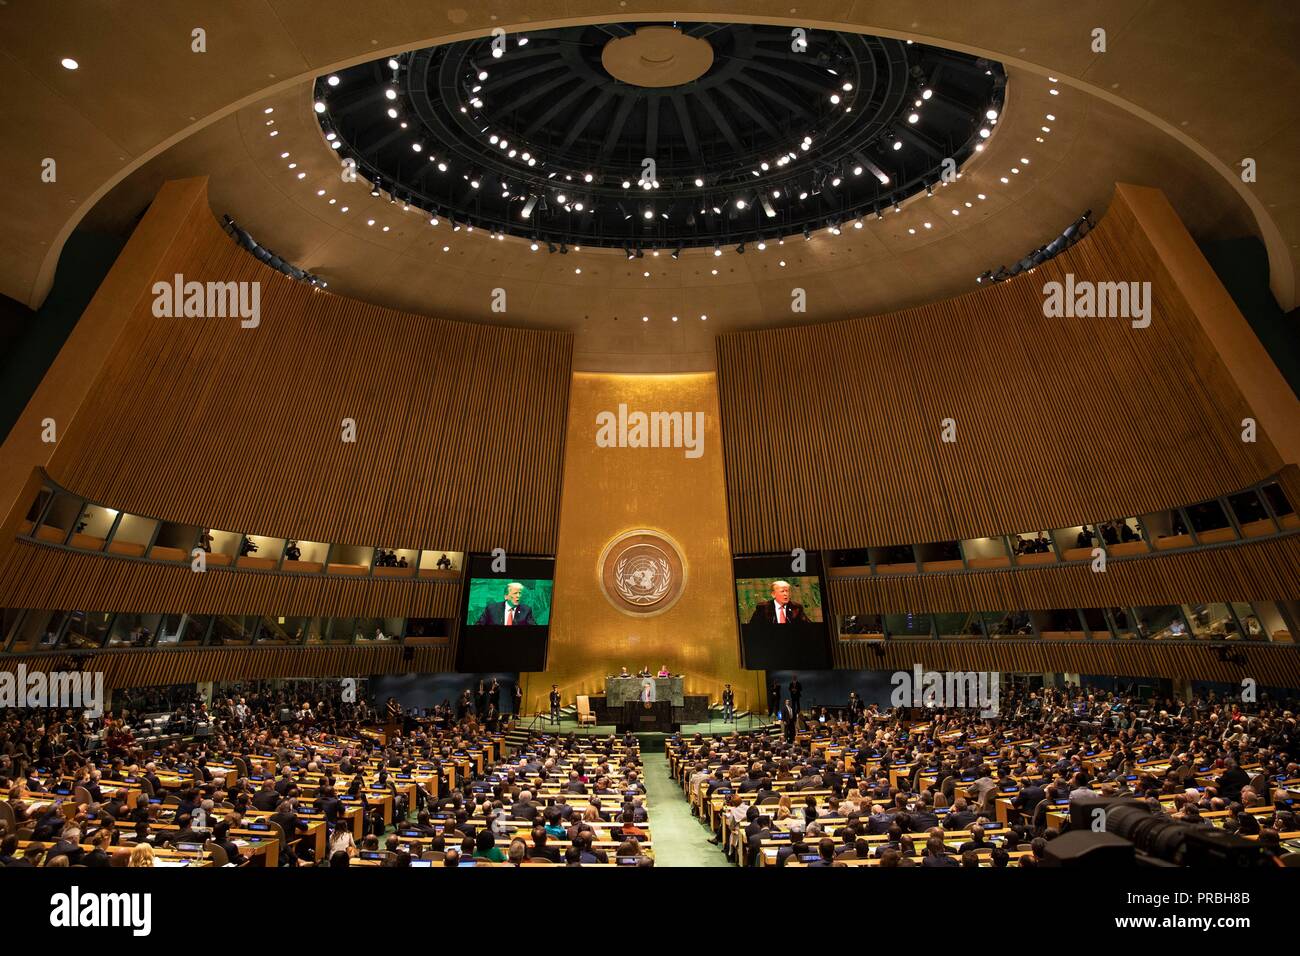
<point>704,318</point>
<point>69,63</point>
<point>991,114</point>
<point>393,64</point>
<point>911,232</point>
<point>913,117</point>
<point>984,132</point>
<point>577,272</point>
<point>674,318</point>
<point>390,93</point>
<point>417,147</point>
<point>392,113</point>
<point>926,94</point>
<point>645,318</point>
<point>332,80</point>
<point>302,175</point>
<point>269,110</point>
<point>275,132</point>
<point>319,106</point>
<point>835,97</point>
<point>898,144</point>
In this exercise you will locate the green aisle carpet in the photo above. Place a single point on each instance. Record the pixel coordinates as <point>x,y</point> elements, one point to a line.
<point>679,838</point>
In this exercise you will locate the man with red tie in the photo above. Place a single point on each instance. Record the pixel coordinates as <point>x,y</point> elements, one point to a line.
<point>779,610</point>
<point>508,613</point>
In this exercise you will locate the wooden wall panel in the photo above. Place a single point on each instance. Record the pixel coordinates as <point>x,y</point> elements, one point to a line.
<point>460,427</point>
<point>32,576</point>
<point>1250,571</point>
<point>187,666</point>
<point>832,432</point>
<point>1268,665</point>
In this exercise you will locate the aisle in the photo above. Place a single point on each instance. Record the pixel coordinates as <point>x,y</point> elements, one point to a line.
<point>679,838</point>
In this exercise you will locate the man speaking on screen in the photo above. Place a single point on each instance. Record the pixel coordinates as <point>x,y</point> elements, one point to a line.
<point>508,613</point>
<point>779,610</point>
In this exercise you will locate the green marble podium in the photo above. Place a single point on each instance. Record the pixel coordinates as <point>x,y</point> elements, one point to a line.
<point>619,690</point>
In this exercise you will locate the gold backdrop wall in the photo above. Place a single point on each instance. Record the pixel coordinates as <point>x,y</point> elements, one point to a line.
<point>609,491</point>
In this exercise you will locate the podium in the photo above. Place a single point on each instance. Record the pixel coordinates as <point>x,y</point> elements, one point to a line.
<point>620,690</point>
<point>648,715</point>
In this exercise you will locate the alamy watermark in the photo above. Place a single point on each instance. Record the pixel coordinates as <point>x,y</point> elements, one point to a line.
<point>624,429</point>
<point>59,690</point>
<point>921,688</point>
<point>1084,299</point>
<point>209,300</point>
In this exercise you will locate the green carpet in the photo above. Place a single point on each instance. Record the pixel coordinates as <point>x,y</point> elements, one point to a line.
<point>679,838</point>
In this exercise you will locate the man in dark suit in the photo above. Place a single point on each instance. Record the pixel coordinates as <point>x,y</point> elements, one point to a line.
<point>728,704</point>
<point>509,612</point>
<point>1030,796</point>
<point>788,714</point>
<point>959,817</point>
<point>539,850</point>
<point>779,610</point>
<point>555,703</point>
<point>936,854</point>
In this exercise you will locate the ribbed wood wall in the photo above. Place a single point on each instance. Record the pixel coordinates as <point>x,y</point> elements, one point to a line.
<point>187,666</point>
<point>32,576</point>
<point>832,432</point>
<point>1270,666</point>
<point>460,426</point>
<point>1250,571</point>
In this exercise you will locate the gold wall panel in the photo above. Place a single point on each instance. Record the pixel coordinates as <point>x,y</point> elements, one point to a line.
<point>611,491</point>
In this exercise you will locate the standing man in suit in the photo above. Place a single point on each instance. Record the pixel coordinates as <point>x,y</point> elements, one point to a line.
<point>729,705</point>
<point>508,612</point>
<point>774,700</point>
<point>788,714</point>
<point>519,700</point>
<point>780,610</point>
<point>555,703</point>
<point>796,692</point>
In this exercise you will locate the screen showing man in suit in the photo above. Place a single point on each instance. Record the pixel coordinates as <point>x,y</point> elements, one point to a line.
<point>792,601</point>
<point>494,602</point>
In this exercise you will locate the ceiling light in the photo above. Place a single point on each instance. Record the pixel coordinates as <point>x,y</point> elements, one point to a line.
<point>390,93</point>
<point>393,64</point>
<point>332,80</point>
<point>898,144</point>
<point>761,245</point>
<point>926,94</point>
<point>532,246</point>
<point>433,220</point>
<point>588,177</point>
<point>417,147</point>
<point>392,113</point>
<point>496,53</point>
<point>704,318</point>
<point>984,132</point>
<point>482,74</point>
<point>991,114</point>
<point>699,181</point>
<point>69,63</point>
<point>913,117</point>
<point>835,97</point>
<point>717,249</point>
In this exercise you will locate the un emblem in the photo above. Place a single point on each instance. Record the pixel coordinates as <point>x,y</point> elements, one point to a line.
<point>642,573</point>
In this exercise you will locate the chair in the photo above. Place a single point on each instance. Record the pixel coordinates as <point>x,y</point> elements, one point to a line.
<point>1038,819</point>
<point>218,853</point>
<point>585,716</point>
<point>435,855</point>
<point>81,795</point>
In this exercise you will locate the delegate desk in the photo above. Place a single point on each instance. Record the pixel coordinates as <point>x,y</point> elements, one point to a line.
<point>620,690</point>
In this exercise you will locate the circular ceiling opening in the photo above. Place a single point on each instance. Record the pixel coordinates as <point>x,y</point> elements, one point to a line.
<point>662,136</point>
<point>657,57</point>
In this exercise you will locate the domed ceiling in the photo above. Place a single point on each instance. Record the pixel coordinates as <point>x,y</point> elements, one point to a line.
<point>660,136</point>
